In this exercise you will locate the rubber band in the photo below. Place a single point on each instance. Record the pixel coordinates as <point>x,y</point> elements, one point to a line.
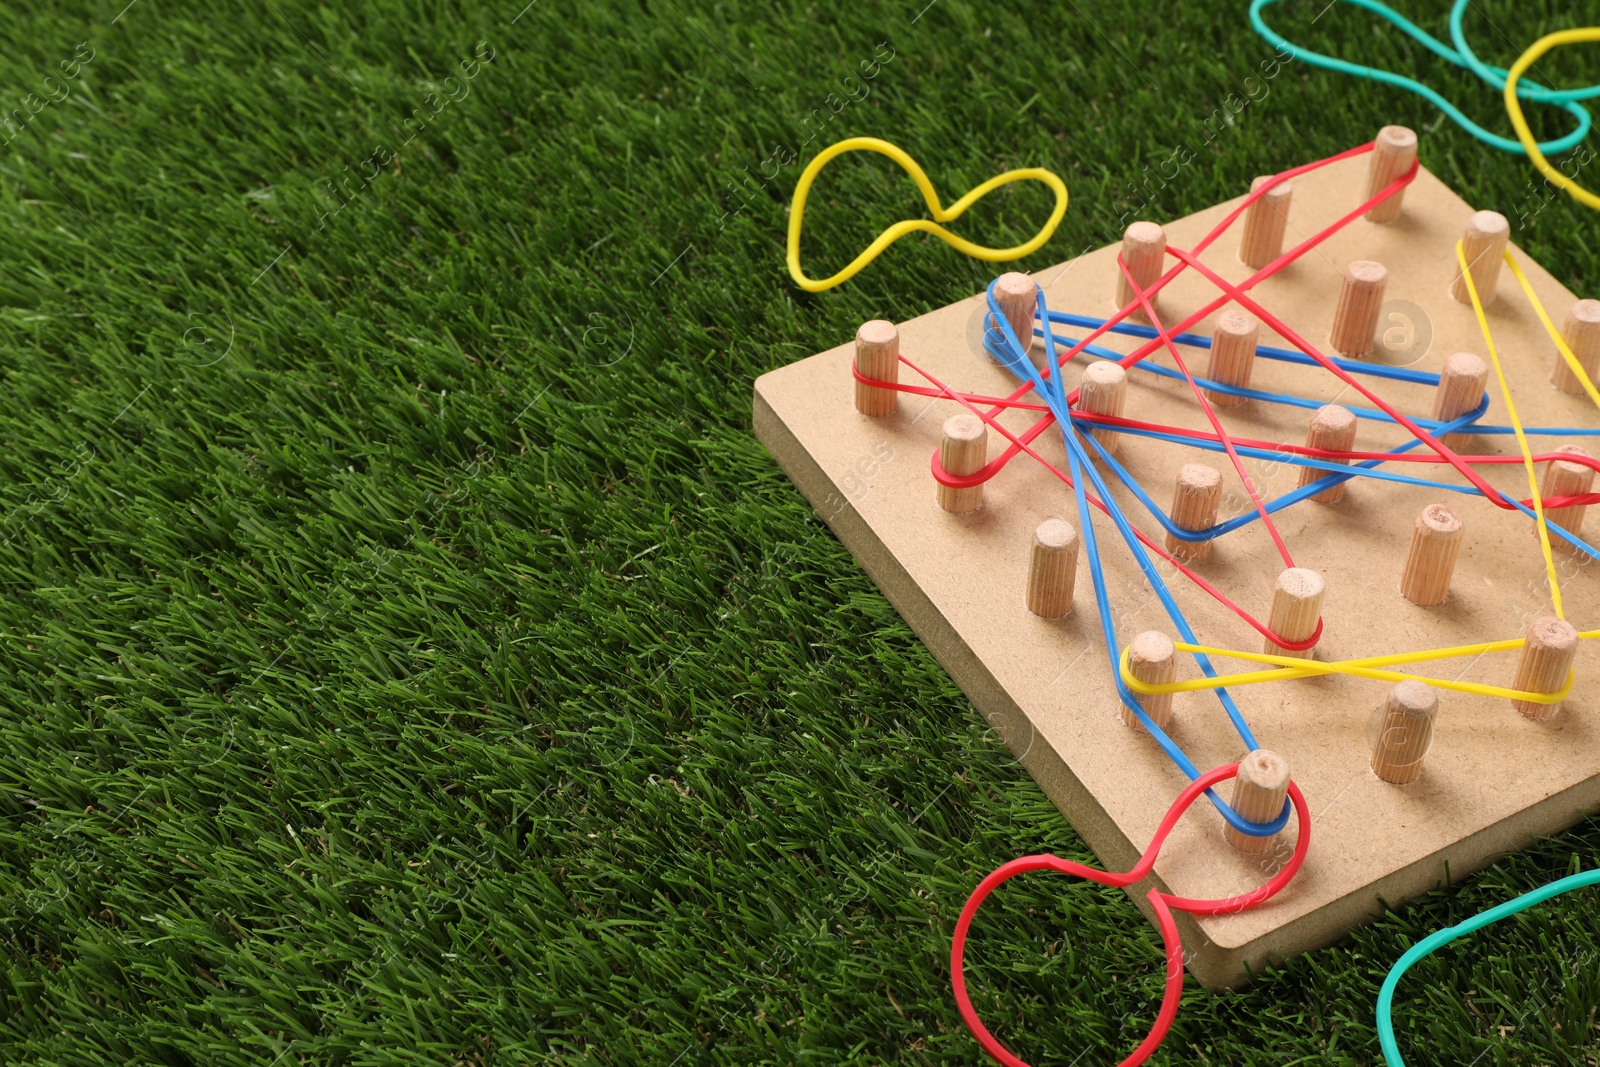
<point>1361,668</point>
<point>1564,99</point>
<point>1516,424</point>
<point>1534,149</point>
<point>899,229</point>
<point>1161,902</point>
<point>1437,940</point>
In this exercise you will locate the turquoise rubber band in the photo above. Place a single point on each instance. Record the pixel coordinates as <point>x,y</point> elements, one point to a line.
<point>1391,1051</point>
<point>1566,99</point>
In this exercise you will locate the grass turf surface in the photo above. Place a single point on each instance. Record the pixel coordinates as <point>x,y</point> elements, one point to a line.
<point>411,655</point>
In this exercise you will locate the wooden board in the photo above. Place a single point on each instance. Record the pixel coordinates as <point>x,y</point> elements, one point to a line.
<point>1493,778</point>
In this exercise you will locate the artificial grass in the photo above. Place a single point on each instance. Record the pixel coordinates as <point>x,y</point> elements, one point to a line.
<point>411,655</point>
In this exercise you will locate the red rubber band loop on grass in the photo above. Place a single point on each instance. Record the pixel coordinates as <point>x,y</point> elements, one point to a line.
<point>1162,903</point>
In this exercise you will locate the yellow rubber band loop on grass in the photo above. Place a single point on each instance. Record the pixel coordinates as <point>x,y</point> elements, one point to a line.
<point>1514,108</point>
<point>900,229</point>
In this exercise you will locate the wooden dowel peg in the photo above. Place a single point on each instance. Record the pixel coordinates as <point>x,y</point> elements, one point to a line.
<point>877,356</point>
<point>1461,383</point>
<point>1259,791</point>
<point>1405,732</point>
<point>1564,478</point>
<point>1581,331</point>
<point>1431,560</point>
<point>1395,151</point>
<point>1195,500</point>
<point>1355,317</point>
<point>1547,657</point>
<point>1052,569</point>
<point>1144,250</point>
<point>964,450</point>
<point>1296,607</point>
<point>1102,391</point>
<point>1018,298</point>
<point>1153,660</point>
<point>1332,428</point>
<point>1261,241</point>
<point>1233,354</point>
<point>1484,244</point>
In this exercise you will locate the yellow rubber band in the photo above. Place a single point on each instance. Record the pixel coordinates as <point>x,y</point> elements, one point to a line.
<point>1555,334</point>
<point>1368,667</point>
<point>1373,666</point>
<point>941,214</point>
<point>1516,426</point>
<point>1514,108</point>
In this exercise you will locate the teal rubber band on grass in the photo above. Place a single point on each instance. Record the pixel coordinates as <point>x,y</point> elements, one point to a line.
<point>1391,1051</point>
<point>1461,56</point>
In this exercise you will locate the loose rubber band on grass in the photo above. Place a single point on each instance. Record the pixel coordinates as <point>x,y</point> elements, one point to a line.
<point>1525,136</point>
<point>892,234</point>
<point>1566,99</point>
<point>1385,1012</point>
<point>1162,903</point>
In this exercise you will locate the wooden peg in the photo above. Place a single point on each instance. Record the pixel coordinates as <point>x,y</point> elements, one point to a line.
<point>1259,791</point>
<point>1195,499</point>
<point>1395,151</point>
<point>1144,250</point>
<point>964,450</point>
<point>1431,560</point>
<point>1484,243</point>
<point>1565,478</point>
<point>1332,428</point>
<point>1153,660</point>
<point>1355,318</point>
<point>1233,354</point>
<point>1103,391</point>
<point>1461,382</point>
<point>1053,569</point>
<point>1405,732</point>
<point>1296,607</point>
<point>877,356</point>
<point>1582,334</point>
<point>1018,298</point>
<point>1547,658</point>
<point>1261,241</point>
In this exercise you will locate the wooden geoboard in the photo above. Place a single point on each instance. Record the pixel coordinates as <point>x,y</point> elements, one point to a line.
<point>1492,779</point>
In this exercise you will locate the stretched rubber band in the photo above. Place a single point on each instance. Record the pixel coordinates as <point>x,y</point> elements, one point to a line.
<point>893,233</point>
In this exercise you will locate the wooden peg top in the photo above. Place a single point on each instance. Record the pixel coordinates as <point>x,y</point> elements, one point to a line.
<point>1396,139</point>
<point>1104,372</point>
<point>877,332</point>
<point>1152,646</point>
<point>1197,477</point>
<point>1569,467</point>
<point>1144,235</point>
<point>1301,583</point>
<point>1055,533</point>
<point>1412,697</point>
<point>1237,322</point>
<point>1014,283</point>
<point>1266,770</point>
<point>1488,225</point>
<point>1440,519</point>
<point>1585,313</point>
<point>1332,421</point>
<point>1554,635</point>
<point>965,427</point>
<point>1366,272</point>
